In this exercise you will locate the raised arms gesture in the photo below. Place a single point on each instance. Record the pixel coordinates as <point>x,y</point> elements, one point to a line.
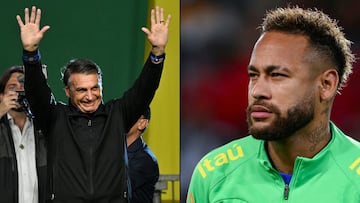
<point>158,33</point>
<point>30,31</point>
<point>31,34</point>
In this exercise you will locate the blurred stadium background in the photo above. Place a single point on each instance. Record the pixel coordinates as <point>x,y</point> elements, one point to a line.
<point>217,37</point>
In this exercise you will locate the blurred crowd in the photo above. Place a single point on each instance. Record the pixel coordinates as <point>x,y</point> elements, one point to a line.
<point>217,37</point>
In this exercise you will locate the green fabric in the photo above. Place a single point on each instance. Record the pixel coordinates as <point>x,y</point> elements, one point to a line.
<point>107,32</point>
<point>240,171</point>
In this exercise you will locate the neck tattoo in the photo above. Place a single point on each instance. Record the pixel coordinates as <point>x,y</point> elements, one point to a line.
<point>316,136</point>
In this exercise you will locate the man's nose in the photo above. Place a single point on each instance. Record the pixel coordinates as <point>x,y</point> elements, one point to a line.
<point>89,95</point>
<point>260,89</point>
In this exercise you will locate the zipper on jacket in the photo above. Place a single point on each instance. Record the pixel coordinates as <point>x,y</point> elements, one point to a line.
<point>91,164</point>
<point>52,187</point>
<point>91,173</point>
<point>286,192</point>
<point>52,196</point>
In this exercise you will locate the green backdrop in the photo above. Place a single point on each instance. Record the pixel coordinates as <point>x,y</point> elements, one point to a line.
<point>107,32</point>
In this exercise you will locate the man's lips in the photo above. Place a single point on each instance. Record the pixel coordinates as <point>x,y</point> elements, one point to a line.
<point>260,112</point>
<point>88,103</point>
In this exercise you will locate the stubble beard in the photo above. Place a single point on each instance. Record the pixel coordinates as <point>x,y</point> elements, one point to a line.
<point>20,109</point>
<point>283,127</point>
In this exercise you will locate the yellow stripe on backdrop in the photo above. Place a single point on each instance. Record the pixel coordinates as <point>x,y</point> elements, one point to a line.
<point>163,134</point>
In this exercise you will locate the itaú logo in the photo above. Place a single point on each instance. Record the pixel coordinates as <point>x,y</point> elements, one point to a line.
<point>220,159</point>
<point>356,164</point>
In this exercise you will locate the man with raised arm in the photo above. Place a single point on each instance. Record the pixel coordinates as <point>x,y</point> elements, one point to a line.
<point>87,138</point>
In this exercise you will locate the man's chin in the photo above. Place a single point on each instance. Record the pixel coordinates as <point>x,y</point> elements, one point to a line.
<point>88,110</point>
<point>259,134</point>
<point>260,127</point>
<point>263,132</point>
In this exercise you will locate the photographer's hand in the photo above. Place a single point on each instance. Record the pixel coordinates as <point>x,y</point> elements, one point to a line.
<point>8,101</point>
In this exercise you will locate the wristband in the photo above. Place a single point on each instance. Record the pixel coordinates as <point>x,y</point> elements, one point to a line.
<point>157,59</point>
<point>32,58</point>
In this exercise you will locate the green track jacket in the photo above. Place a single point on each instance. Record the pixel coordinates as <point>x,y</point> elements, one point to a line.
<point>240,171</point>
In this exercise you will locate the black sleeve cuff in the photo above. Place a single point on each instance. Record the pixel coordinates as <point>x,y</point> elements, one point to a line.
<point>157,59</point>
<point>31,57</point>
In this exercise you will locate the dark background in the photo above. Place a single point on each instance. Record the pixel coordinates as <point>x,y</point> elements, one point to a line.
<point>217,38</point>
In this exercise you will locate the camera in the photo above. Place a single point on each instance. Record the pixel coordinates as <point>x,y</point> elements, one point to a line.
<point>24,103</point>
<point>21,97</point>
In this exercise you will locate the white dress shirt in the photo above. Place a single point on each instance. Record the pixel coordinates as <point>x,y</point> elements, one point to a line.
<point>24,143</point>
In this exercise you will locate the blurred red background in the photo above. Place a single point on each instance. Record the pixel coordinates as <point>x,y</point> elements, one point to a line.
<point>216,41</point>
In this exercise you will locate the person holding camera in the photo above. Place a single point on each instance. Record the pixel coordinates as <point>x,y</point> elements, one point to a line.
<point>22,147</point>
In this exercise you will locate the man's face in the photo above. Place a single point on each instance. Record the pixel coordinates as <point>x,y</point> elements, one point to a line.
<point>13,83</point>
<point>84,92</point>
<point>281,92</point>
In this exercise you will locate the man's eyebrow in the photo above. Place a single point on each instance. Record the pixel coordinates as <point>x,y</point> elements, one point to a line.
<point>252,68</point>
<point>80,88</point>
<point>269,68</point>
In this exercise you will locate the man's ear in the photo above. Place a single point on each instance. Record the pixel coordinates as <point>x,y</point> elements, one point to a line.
<point>1,97</point>
<point>67,91</point>
<point>329,81</point>
<point>143,123</point>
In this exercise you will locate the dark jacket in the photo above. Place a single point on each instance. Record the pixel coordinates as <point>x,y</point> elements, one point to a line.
<point>87,151</point>
<point>8,164</point>
<point>143,172</point>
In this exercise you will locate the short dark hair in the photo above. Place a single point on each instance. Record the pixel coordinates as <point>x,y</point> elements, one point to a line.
<point>85,66</point>
<point>7,74</point>
<point>325,36</point>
